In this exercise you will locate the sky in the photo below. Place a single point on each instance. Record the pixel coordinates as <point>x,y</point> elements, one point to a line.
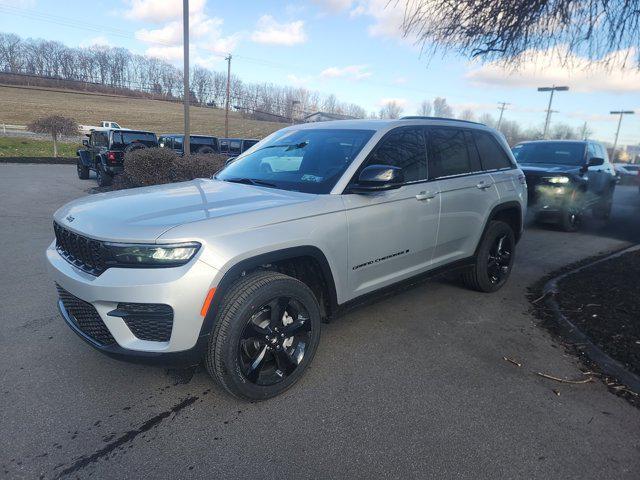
<point>351,48</point>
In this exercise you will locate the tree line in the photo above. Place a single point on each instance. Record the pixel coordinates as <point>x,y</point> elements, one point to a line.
<point>119,68</point>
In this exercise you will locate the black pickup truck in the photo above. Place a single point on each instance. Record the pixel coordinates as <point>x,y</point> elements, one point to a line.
<point>104,152</point>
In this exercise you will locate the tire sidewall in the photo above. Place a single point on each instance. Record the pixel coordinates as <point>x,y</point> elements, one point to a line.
<point>228,346</point>
<point>493,232</point>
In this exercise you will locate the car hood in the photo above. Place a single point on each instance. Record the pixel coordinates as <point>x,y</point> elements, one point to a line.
<point>543,168</point>
<point>143,214</point>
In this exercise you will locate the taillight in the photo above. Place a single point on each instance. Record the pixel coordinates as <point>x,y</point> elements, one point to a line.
<point>111,156</point>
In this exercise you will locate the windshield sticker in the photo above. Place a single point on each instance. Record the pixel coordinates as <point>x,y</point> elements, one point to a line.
<point>307,177</point>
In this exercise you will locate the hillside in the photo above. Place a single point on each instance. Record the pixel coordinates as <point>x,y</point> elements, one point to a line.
<point>21,105</point>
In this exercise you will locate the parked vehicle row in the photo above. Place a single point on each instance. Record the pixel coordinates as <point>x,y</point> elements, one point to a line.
<point>239,270</point>
<point>104,150</point>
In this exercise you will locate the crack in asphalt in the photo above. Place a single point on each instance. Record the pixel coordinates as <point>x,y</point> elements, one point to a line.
<point>127,437</point>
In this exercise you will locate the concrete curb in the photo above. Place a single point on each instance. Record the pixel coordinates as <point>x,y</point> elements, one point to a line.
<point>608,365</point>
<point>40,160</point>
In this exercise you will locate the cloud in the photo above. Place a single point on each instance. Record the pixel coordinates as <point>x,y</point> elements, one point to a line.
<point>270,32</point>
<point>300,81</point>
<point>200,26</point>
<point>350,72</point>
<point>169,54</point>
<point>100,41</point>
<point>613,73</point>
<point>158,11</point>
<point>400,80</point>
<point>387,17</point>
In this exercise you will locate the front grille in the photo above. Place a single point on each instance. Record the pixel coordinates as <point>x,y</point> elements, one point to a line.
<point>85,253</point>
<point>147,321</point>
<point>85,317</point>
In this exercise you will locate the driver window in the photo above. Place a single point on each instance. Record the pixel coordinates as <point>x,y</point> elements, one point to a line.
<point>404,148</point>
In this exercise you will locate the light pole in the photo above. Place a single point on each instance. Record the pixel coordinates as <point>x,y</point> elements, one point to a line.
<point>552,89</point>
<point>615,142</point>
<point>502,107</point>
<point>185,26</point>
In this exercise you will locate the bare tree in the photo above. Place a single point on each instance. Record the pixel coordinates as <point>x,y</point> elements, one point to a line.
<point>441,108</point>
<point>503,29</point>
<point>391,110</point>
<point>468,114</point>
<point>425,108</point>
<point>54,125</point>
<point>487,119</point>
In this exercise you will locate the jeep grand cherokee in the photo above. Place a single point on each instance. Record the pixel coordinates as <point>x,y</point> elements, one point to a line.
<point>241,269</point>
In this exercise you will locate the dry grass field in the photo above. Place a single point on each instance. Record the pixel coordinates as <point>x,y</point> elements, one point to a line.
<point>21,105</point>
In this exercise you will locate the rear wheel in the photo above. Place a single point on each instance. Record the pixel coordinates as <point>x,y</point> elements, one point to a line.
<point>103,178</point>
<point>83,171</point>
<point>494,260</point>
<point>267,331</point>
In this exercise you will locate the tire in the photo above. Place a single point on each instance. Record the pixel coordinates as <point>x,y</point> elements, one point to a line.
<point>249,330</point>
<point>205,151</point>
<point>134,146</point>
<point>83,170</point>
<point>103,178</point>
<point>494,259</point>
<point>570,219</point>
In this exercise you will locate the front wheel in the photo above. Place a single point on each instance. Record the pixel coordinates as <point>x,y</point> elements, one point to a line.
<point>494,260</point>
<point>267,332</point>
<point>570,219</point>
<point>83,171</point>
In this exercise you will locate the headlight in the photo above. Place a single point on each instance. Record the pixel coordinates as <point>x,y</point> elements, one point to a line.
<point>137,255</point>
<point>560,179</point>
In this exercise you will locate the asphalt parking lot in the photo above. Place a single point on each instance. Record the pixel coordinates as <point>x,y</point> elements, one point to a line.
<point>413,386</point>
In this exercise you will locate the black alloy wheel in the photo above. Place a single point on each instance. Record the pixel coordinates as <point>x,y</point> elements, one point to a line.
<point>267,330</point>
<point>499,261</point>
<point>274,341</point>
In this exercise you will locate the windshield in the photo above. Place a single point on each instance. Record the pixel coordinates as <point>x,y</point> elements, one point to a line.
<point>557,153</point>
<point>307,160</point>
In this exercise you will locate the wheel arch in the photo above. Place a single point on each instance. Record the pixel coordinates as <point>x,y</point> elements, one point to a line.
<point>508,212</point>
<point>299,262</point>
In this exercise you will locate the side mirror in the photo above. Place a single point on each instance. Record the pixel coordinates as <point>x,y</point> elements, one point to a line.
<point>85,142</point>
<point>595,162</point>
<point>375,178</point>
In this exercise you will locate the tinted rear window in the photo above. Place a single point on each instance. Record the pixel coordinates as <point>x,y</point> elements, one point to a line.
<point>448,153</point>
<point>125,138</point>
<point>491,154</point>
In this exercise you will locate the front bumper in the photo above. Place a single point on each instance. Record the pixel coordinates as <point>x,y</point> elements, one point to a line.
<point>183,288</point>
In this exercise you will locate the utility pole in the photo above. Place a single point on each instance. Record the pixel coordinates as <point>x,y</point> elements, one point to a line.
<point>615,142</point>
<point>583,135</point>
<point>185,32</point>
<point>552,89</point>
<point>226,103</point>
<point>502,107</point>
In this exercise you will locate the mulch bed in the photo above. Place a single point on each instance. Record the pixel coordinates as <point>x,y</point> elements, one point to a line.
<point>603,301</point>
<point>45,160</point>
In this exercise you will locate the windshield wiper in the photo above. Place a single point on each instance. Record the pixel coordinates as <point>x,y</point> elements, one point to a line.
<point>288,146</point>
<point>250,181</point>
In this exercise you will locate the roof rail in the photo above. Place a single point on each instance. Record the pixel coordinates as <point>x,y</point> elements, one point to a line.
<point>420,117</point>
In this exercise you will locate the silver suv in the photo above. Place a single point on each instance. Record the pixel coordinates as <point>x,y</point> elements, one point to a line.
<point>241,269</point>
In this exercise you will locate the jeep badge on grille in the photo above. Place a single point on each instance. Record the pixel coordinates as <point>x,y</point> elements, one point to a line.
<point>70,218</point>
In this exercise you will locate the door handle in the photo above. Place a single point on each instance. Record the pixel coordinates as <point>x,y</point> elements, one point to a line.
<point>426,195</point>
<point>484,185</point>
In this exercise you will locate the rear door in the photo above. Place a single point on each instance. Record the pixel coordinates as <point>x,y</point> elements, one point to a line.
<point>496,162</point>
<point>392,233</point>
<point>467,193</point>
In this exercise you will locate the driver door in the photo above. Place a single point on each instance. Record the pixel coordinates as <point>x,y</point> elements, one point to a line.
<point>392,234</point>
